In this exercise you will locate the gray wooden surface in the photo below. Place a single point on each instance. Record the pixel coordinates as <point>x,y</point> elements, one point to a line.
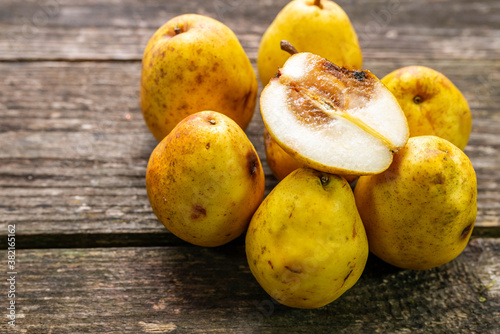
<point>73,156</point>
<point>202,290</point>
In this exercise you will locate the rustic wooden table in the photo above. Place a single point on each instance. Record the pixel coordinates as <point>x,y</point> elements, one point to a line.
<point>91,256</point>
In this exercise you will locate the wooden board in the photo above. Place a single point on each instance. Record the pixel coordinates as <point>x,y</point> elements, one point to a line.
<point>401,29</point>
<point>202,290</point>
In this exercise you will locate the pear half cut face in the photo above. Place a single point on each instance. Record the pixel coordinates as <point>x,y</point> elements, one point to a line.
<point>331,118</point>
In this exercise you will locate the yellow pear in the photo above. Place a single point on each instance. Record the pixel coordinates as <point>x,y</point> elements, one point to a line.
<point>204,180</point>
<point>433,105</point>
<point>306,244</point>
<point>280,162</point>
<point>317,26</point>
<point>195,63</point>
<point>420,212</point>
<point>333,119</point>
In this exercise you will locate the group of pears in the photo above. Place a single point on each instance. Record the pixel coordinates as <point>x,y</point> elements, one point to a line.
<point>330,127</point>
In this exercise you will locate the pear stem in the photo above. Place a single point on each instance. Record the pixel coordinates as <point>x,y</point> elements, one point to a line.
<point>177,30</point>
<point>288,47</point>
<point>318,3</point>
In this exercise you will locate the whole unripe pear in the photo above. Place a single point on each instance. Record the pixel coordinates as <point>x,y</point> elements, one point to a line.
<point>195,63</point>
<point>433,105</point>
<point>320,27</point>
<point>420,212</point>
<point>205,180</point>
<point>306,244</point>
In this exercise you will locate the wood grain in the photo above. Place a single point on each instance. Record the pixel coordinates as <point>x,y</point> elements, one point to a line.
<point>400,29</point>
<point>203,290</point>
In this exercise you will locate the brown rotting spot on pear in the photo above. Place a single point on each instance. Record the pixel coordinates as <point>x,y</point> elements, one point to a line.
<point>466,231</point>
<point>439,178</point>
<point>199,79</point>
<point>278,74</point>
<point>293,270</point>
<point>345,279</point>
<point>359,75</point>
<point>271,264</point>
<point>248,97</point>
<point>305,110</point>
<point>252,161</point>
<point>198,211</point>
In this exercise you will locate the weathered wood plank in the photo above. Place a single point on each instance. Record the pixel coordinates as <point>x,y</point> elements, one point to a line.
<point>75,150</point>
<point>202,290</point>
<point>69,29</point>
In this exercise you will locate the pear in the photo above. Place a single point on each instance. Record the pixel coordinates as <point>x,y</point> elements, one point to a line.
<point>433,105</point>
<point>195,63</point>
<point>280,162</point>
<point>306,244</point>
<point>331,118</point>
<point>204,180</point>
<point>420,212</point>
<point>320,27</point>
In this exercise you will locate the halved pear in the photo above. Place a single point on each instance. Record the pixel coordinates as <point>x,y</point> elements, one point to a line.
<point>331,118</point>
